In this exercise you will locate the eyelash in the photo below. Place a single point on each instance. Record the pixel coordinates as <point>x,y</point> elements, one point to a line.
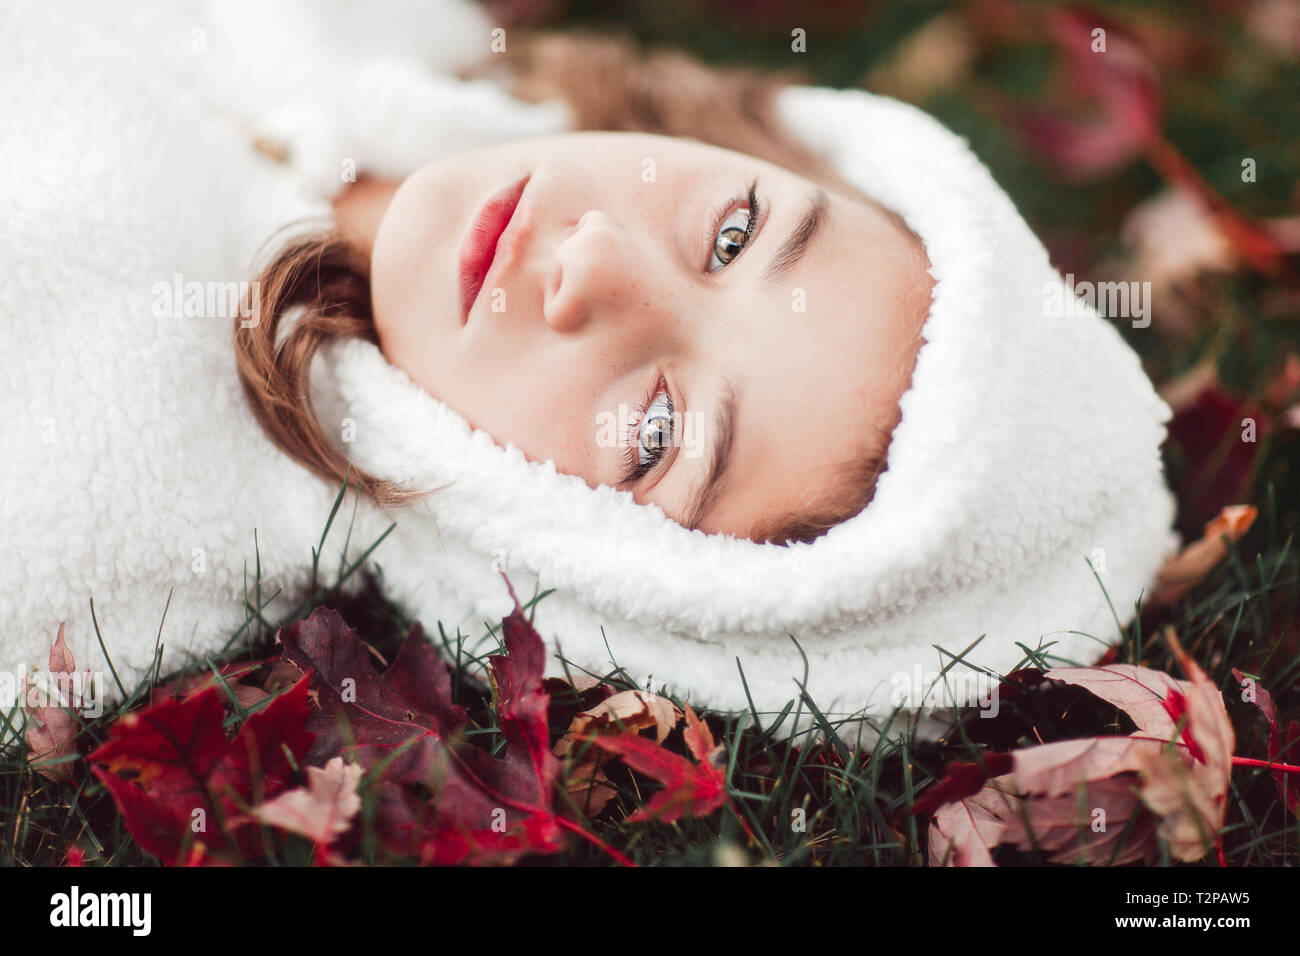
<point>637,469</point>
<point>748,200</point>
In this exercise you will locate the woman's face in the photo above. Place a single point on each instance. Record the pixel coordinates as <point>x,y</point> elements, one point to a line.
<point>645,326</point>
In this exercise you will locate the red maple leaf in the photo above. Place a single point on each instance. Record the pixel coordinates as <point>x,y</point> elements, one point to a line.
<point>440,798</point>
<point>690,789</point>
<point>190,795</point>
<point>184,789</point>
<point>1277,753</point>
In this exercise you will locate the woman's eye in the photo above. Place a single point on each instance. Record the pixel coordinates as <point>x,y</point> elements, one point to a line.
<point>650,434</point>
<point>732,236</point>
<point>655,434</point>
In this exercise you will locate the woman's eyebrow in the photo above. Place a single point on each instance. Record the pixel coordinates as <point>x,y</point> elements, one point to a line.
<point>724,434</point>
<point>800,238</point>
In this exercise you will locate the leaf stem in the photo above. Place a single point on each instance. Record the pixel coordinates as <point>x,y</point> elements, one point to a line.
<point>1264,764</point>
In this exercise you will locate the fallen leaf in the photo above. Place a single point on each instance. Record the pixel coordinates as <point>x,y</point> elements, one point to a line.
<point>183,788</point>
<point>1102,823</point>
<point>628,711</point>
<point>1101,799</point>
<point>323,810</point>
<point>1180,573</point>
<point>1211,461</point>
<point>1182,391</point>
<point>52,730</point>
<point>689,789</point>
<point>1191,796</point>
<point>521,707</point>
<point>1138,691</point>
<point>1060,767</point>
<point>1115,72</point>
<point>579,682</point>
<point>1277,753</point>
<point>1213,458</point>
<point>439,798</point>
<point>188,685</point>
<point>588,787</point>
<point>965,832</point>
<point>631,711</point>
<point>1257,244</point>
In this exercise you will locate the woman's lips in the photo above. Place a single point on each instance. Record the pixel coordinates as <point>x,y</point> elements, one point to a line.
<point>479,247</point>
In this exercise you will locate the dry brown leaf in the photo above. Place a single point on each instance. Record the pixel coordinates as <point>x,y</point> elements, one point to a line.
<point>1190,792</point>
<point>1138,691</point>
<point>61,659</point>
<point>1079,798</point>
<point>1184,774</point>
<point>1090,825</point>
<point>323,810</point>
<point>51,731</point>
<point>963,833</point>
<point>1183,571</point>
<point>589,788</point>
<point>1057,768</point>
<point>630,711</point>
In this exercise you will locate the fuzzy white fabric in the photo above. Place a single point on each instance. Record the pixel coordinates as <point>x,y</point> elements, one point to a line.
<point>132,473</point>
<point>1028,445</point>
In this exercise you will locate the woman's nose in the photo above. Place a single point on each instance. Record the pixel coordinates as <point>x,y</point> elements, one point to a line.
<point>599,270</point>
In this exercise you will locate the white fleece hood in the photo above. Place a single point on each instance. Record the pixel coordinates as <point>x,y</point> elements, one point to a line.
<point>1027,458</point>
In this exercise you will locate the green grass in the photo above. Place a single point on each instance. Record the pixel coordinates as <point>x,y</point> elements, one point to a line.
<point>854,806</point>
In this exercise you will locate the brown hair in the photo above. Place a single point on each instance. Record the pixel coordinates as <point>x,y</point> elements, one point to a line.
<point>608,85</point>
